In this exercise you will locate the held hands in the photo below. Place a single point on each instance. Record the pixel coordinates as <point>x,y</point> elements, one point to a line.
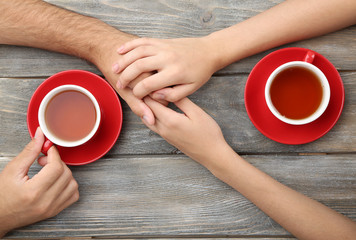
<point>194,132</point>
<point>25,200</point>
<point>180,66</point>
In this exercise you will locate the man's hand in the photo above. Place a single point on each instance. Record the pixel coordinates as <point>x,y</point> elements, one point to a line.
<point>36,23</point>
<point>25,200</point>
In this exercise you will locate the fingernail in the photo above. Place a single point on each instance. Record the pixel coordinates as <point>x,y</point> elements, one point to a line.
<point>145,118</point>
<point>37,133</point>
<point>120,49</point>
<point>118,84</point>
<point>115,67</point>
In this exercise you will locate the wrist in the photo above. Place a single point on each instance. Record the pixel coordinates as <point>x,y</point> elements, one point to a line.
<point>220,162</point>
<point>104,44</point>
<point>218,50</point>
<point>104,50</point>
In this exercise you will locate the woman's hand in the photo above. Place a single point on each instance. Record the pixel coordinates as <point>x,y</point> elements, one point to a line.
<point>193,132</point>
<point>180,66</point>
<point>25,200</point>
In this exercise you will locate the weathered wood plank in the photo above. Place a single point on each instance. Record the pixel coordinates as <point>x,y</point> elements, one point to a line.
<point>165,238</point>
<point>174,196</point>
<point>169,19</point>
<point>221,97</point>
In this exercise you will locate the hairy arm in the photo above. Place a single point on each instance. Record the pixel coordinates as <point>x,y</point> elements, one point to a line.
<point>38,24</point>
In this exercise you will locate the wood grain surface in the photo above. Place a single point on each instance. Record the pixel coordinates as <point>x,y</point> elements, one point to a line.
<point>144,187</point>
<point>221,97</point>
<point>174,196</point>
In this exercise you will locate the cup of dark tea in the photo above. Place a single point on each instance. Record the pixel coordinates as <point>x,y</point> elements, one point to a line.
<point>69,116</point>
<point>297,92</point>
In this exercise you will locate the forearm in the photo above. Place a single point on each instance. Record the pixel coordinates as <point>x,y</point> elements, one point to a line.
<point>289,21</point>
<point>298,214</point>
<point>38,24</point>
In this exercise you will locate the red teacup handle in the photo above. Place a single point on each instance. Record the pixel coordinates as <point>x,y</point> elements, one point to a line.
<point>46,146</point>
<point>309,57</point>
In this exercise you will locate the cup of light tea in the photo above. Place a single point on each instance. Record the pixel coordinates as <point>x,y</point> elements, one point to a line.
<point>297,92</point>
<point>69,116</point>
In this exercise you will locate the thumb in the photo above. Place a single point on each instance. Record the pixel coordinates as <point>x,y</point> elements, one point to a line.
<point>29,154</point>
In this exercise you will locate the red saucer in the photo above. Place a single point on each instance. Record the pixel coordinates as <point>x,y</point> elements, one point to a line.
<point>110,105</point>
<point>272,127</point>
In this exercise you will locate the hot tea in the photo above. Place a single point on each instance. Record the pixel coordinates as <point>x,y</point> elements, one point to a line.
<point>70,115</point>
<point>296,92</point>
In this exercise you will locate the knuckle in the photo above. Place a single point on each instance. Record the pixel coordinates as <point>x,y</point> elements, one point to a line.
<point>75,185</point>
<point>29,196</point>
<point>123,80</point>
<point>59,169</point>
<point>172,57</point>
<point>139,65</point>
<point>44,209</point>
<point>138,92</point>
<point>177,73</point>
<point>172,123</point>
<point>143,86</point>
<point>29,148</point>
<point>172,97</point>
<point>68,173</point>
<point>143,49</point>
<point>76,196</point>
<point>145,40</point>
<point>122,63</point>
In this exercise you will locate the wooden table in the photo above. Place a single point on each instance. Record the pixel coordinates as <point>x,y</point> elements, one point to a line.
<point>145,188</point>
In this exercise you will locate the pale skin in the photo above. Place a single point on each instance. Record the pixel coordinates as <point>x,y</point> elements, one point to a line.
<point>194,132</point>
<point>25,200</point>
<point>37,24</point>
<point>188,63</point>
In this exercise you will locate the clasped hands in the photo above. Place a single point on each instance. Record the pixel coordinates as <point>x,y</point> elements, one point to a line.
<point>161,71</point>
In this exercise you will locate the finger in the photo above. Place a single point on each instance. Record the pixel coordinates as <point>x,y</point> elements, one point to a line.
<point>72,199</point>
<point>143,65</point>
<point>175,93</point>
<point>132,56</point>
<point>153,83</point>
<point>59,186</point>
<point>137,105</point>
<point>190,109</point>
<point>161,112</point>
<point>133,83</point>
<point>42,161</point>
<point>53,169</point>
<point>69,196</point>
<point>162,101</point>
<point>140,78</point>
<point>153,127</point>
<point>30,153</point>
<point>128,46</point>
<point>67,192</point>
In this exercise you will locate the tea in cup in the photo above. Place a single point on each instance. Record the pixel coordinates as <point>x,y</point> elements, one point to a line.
<point>297,92</point>
<point>69,116</point>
